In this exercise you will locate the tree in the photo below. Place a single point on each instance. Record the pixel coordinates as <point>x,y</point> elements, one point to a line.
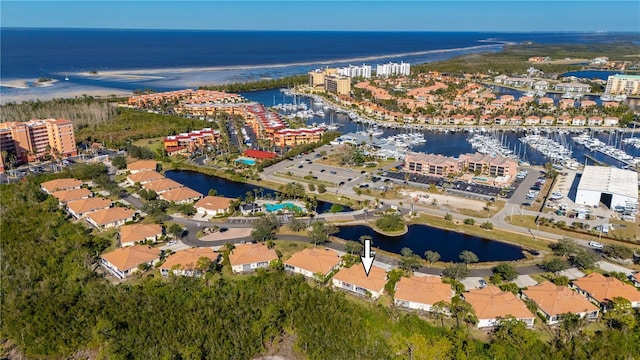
<point>620,314</point>
<point>512,340</point>
<point>120,162</point>
<point>585,259</point>
<point>264,227</point>
<point>431,256</point>
<point>320,232</point>
<point>409,261</point>
<point>554,264</point>
<point>212,192</point>
<point>561,280</point>
<point>564,247</point>
<point>618,251</point>
<point>462,310</point>
<point>469,221</point>
<point>297,225</point>
<point>468,257</point>
<point>507,271</point>
<point>456,271</point>
<point>487,225</point>
<point>336,208</point>
<point>187,209</point>
<point>448,217</point>
<point>353,247</point>
<point>175,230</point>
<point>312,187</point>
<point>390,222</point>
<point>321,189</point>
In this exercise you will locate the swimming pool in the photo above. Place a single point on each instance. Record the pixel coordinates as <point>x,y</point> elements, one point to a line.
<point>285,205</point>
<point>246,161</point>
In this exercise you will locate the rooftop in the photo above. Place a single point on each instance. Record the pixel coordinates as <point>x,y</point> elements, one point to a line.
<point>180,194</point>
<point>132,256</point>
<point>251,253</point>
<point>188,259</point>
<point>72,194</point>
<point>84,205</point>
<point>110,215</point>
<point>316,260</point>
<point>555,300</point>
<point>142,165</point>
<point>492,303</point>
<point>60,184</point>
<point>355,275</point>
<point>610,180</point>
<point>423,289</point>
<point>214,203</point>
<point>604,288</point>
<point>138,232</point>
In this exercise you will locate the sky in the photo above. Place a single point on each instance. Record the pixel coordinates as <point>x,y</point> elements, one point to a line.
<point>308,15</point>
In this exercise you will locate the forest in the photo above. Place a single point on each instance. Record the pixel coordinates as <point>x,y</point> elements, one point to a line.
<point>55,305</point>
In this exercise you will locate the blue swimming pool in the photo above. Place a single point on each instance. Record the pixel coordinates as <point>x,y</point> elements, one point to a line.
<point>246,161</point>
<point>285,205</point>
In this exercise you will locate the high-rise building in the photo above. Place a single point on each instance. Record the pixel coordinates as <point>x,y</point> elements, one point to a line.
<point>31,140</point>
<point>388,69</point>
<point>623,84</point>
<point>352,71</point>
<point>316,77</point>
<point>337,84</point>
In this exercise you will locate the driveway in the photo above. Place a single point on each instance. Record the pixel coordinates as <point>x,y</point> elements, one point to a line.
<point>609,267</point>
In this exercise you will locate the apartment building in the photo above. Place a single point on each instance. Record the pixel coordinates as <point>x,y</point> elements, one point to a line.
<point>337,84</point>
<point>316,77</point>
<point>31,140</point>
<point>391,68</point>
<point>352,71</point>
<point>294,137</point>
<point>489,165</point>
<point>264,123</point>
<point>573,87</point>
<point>623,84</point>
<point>431,164</point>
<point>192,140</point>
<point>440,165</point>
<point>188,96</point>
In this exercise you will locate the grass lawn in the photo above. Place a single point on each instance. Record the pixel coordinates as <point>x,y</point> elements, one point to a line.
<point>493,209</point>
<point>624,229</point>
<point>288,248</point>
<point>152,144</point>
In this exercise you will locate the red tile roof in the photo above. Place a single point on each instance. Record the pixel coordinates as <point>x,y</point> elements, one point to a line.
<point>258,154</point>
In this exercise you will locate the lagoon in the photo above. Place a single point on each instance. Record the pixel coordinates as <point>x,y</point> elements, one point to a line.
<point>448,244</point>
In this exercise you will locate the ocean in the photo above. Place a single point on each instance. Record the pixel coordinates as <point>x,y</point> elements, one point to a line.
<point>128,60</point>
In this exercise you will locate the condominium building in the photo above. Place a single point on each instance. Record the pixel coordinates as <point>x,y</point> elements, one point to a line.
<point>352,71</point>
<point>573,87</point>
<point>489,165</point>
<point>263,122</point>
<point>440,165</point>
<point>316,77</point>
<point>623,84</point>
<point>191,140</point>
<point>31,140</point>
<point>390,68</point>
<point>294,137</point>
<point>188,96</point>
<point>431,164</point>
<point>337,84</point>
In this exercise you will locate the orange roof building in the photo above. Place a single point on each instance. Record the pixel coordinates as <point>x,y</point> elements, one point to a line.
<point>213,205</point>
<point>421,292</point>
<point>185,262</point>
<point>492,304</point>
<point>600,289</point>
<point>60,184</point>
<point>142,165</point>
<point>65,196</point>
<point>354,279</point>
<point>553,301</point>
<point>133,233</point>
<point>111,217</point>
<point>144,177</point>
<point>123,262</point>
<point>80,208</point>
<point>635,279</point>
<point>312,261</point>
<point>162,185</point>
<point>181,195</point>
<point>249,257</point>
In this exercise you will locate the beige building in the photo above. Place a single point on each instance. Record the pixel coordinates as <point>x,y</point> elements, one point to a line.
<point>123,262</point>
<point>336,84</point>
<point>249,257</point>
<point>316,77</point>
<point>185,262</point>
<point>623,84</point>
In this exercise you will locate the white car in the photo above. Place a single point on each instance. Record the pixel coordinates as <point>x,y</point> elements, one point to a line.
<point>596,244</point>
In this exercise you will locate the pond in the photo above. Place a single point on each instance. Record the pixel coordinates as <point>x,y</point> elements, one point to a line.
<point>448,244</point>
<point>227,188</point>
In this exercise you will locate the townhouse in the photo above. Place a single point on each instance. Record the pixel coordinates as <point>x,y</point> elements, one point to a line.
<point>52,186</point>
<point>137,233</point>
<point>162,185</point>
<point>142,165</point>
<point>181,195</point>
<point>65,196</point>
<point>143,177</point>
<point>109,218</point>
<point>602,290</point>
<point>249,257</point>
<point>80,208</point>
<point>313,263</point>
<point>191,141</point>
<point>553,301</point>
<point>355,280</point>
<point>124,262</point>
<point>189,262</point>
<point>421,292</point>
<point>491,305</point>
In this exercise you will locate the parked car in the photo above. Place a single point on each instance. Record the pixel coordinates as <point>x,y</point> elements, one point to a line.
<point>483,283</point>
<point>596,244</point>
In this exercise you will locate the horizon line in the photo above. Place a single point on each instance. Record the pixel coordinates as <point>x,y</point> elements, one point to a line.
<point>327,30</point>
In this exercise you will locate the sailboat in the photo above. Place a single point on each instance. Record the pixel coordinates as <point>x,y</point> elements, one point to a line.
<point>332,125</point>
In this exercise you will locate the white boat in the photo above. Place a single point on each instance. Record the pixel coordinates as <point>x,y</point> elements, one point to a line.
<point>606,97</point>
<point>568,95</point>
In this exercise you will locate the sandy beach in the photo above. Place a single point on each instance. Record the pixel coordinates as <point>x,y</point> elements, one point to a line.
<point>27,83</point>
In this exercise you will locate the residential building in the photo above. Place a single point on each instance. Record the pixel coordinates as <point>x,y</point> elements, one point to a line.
<point>553,301</point>
<point>52,186</point>
<point>353,71</point>
<point>213,205</point>
<point>142,165</point>
<point>391,68</point>
<point>431,164</point>
<point>623,84</point>
<point>181,195</point>
<point>355,280</point>
<point>491,304</point>
<point>250,209</point>
<point>249,257</point>
<point>124,262</point>
<point>601,290</point>
<point>189,96</point>
<point>136,233</point>
<point>193,140</point>
<point>572,87</point>
<point>316,77</point>
<point>162,185</point>
<point>421,292</point>
<point>312,262</point>
<point>111,217</point>
<point>144,177</point>
<point>187,262</point>
<point>32,140</point>
<point>295,137</point>
<point>337,84</point>
<point>80,208</point>
<point>65,196</point>
<point>489,165</point>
